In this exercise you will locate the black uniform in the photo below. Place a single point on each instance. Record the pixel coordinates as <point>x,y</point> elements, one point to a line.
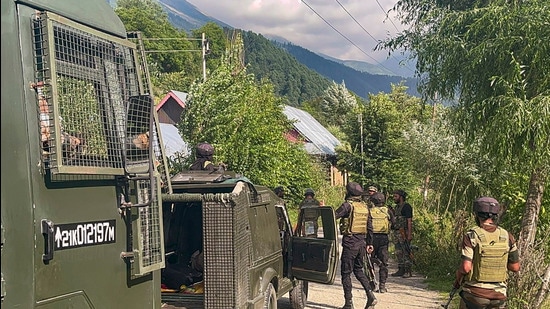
<point>353,253</point>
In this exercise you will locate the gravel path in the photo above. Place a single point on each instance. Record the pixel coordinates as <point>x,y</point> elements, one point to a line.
<point>403,293</point>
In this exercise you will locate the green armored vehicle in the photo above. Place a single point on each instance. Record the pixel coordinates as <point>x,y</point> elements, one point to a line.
<point>249,254</point>
<point>89,215</point>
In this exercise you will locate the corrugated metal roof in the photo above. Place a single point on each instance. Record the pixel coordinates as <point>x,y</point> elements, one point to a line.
<point>173,143</point>
<point>318,139</point>
<point>181,95</point>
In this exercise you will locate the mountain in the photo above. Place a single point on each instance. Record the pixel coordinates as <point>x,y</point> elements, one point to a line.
<point>184,15</point>
<point>360,77</point>
<point>362,83</point>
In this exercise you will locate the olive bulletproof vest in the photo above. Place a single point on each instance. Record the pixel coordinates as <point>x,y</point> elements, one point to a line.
<point>380,220</point>
<point>357,223</point>
<point>490,256</point>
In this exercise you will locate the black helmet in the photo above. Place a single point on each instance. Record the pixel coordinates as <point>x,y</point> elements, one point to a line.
<point>205,149</point>
<point>278,190</point>
<point>378,198</point>
<point>309,191</point>
<point>486,204</point>
<point>354,189</point>
<point>401,193</point>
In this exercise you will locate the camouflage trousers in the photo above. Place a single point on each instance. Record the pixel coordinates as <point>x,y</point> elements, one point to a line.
<point>403,259</point>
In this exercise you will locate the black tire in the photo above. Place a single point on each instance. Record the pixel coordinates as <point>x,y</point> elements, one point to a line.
<point>270,297</point>
<point>298,295</point>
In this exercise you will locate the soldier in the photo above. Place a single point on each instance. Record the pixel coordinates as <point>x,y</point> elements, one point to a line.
<point>488,252</point>
<point>382,219</point>
<point>402,233</point>
<point>311,216</point>
<point>356,242</point>
<point>204,157</point>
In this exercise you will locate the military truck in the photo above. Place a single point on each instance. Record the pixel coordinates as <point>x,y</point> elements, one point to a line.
<point>250,254</point>
<point>84,183</point>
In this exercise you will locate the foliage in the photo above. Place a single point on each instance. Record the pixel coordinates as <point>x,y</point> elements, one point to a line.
<point>174,58</point>
<point>384,119</point>
<point>338,104</point>
<point>494,56</point>
<point>245,123</point>
<point>217,42</point>
<point>291,80</point>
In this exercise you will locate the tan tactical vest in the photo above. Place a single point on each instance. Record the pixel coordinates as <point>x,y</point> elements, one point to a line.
<point>490,256</point>
<point>357,223</point>
<point>380,220</point>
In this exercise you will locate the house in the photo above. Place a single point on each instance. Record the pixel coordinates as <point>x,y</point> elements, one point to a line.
<point>170,107</point>
<point>169,112</point>
<point>318,141</point>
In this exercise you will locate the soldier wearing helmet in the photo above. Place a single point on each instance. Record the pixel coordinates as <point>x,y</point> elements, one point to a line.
<point>203,153</point>
<point>310,215</point>
<point>488,253</point>
<point>382,219</point>
<point>357,240</point>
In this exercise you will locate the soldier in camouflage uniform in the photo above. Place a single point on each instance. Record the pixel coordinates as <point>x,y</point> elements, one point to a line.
<point>488,253</point>
<point>402,233</point>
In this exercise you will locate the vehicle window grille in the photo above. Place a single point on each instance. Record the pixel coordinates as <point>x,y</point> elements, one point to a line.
<point>149,224</point>
<point>84,83</point>
<point>226,253</point>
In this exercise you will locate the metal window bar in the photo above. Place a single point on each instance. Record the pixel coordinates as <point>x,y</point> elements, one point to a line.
<point>84,81</point>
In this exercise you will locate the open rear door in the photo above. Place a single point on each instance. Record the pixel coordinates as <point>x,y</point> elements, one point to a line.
<point>314,257</point>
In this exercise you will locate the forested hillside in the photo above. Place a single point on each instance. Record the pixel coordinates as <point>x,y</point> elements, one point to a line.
<point>270,59</point>
<point>361,83</point>
<point>290,78</point>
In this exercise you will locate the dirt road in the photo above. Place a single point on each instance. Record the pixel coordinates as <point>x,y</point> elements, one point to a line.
<point>403,293</point>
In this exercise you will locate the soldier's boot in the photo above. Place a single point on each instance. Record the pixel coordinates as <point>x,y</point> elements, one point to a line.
<point>371,300</point>
<point>400,272</point>
<point>349,300</point>
<point>407,273</point>
<point>348,305</point>
<point>382,287</point>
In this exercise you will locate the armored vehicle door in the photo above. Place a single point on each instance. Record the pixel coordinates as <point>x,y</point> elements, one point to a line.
<point>314,245</point>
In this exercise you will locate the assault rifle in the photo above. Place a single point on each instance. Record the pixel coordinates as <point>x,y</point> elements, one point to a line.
<point>369,271</point>
<point>451,295</point>
<point>407,246</point>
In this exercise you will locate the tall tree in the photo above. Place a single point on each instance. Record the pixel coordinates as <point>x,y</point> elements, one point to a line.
<point>174,59</point>
<point>383,122</point>
<point>495,56</point>
<point>337,102</point>
<point>244,120</point>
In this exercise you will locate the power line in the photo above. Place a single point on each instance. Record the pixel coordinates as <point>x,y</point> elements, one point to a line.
<point>345,37</point>
<point>387,16</point>
<point>377,41</point>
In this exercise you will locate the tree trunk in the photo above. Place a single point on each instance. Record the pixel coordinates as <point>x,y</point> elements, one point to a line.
<point>544,288</point>
<point>532,210</point>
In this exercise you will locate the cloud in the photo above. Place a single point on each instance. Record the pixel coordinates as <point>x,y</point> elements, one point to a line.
<point>351,35</point>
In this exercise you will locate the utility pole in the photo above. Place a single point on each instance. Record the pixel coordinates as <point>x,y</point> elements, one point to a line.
<point>205,50</point>
<point>361,130</point>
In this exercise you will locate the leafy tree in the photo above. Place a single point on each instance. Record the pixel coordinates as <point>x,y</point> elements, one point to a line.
<point>243,119</point>
<point>384,120</point>
<point>337,103</point>
<point>494,56</point>
<point>173,59</point>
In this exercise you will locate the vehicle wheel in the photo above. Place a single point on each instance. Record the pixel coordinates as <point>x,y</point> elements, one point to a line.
<point>298,295</point>
<point>270,297</point>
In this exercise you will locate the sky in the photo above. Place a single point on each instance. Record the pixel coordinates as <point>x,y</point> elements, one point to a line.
<point>343,29</point>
